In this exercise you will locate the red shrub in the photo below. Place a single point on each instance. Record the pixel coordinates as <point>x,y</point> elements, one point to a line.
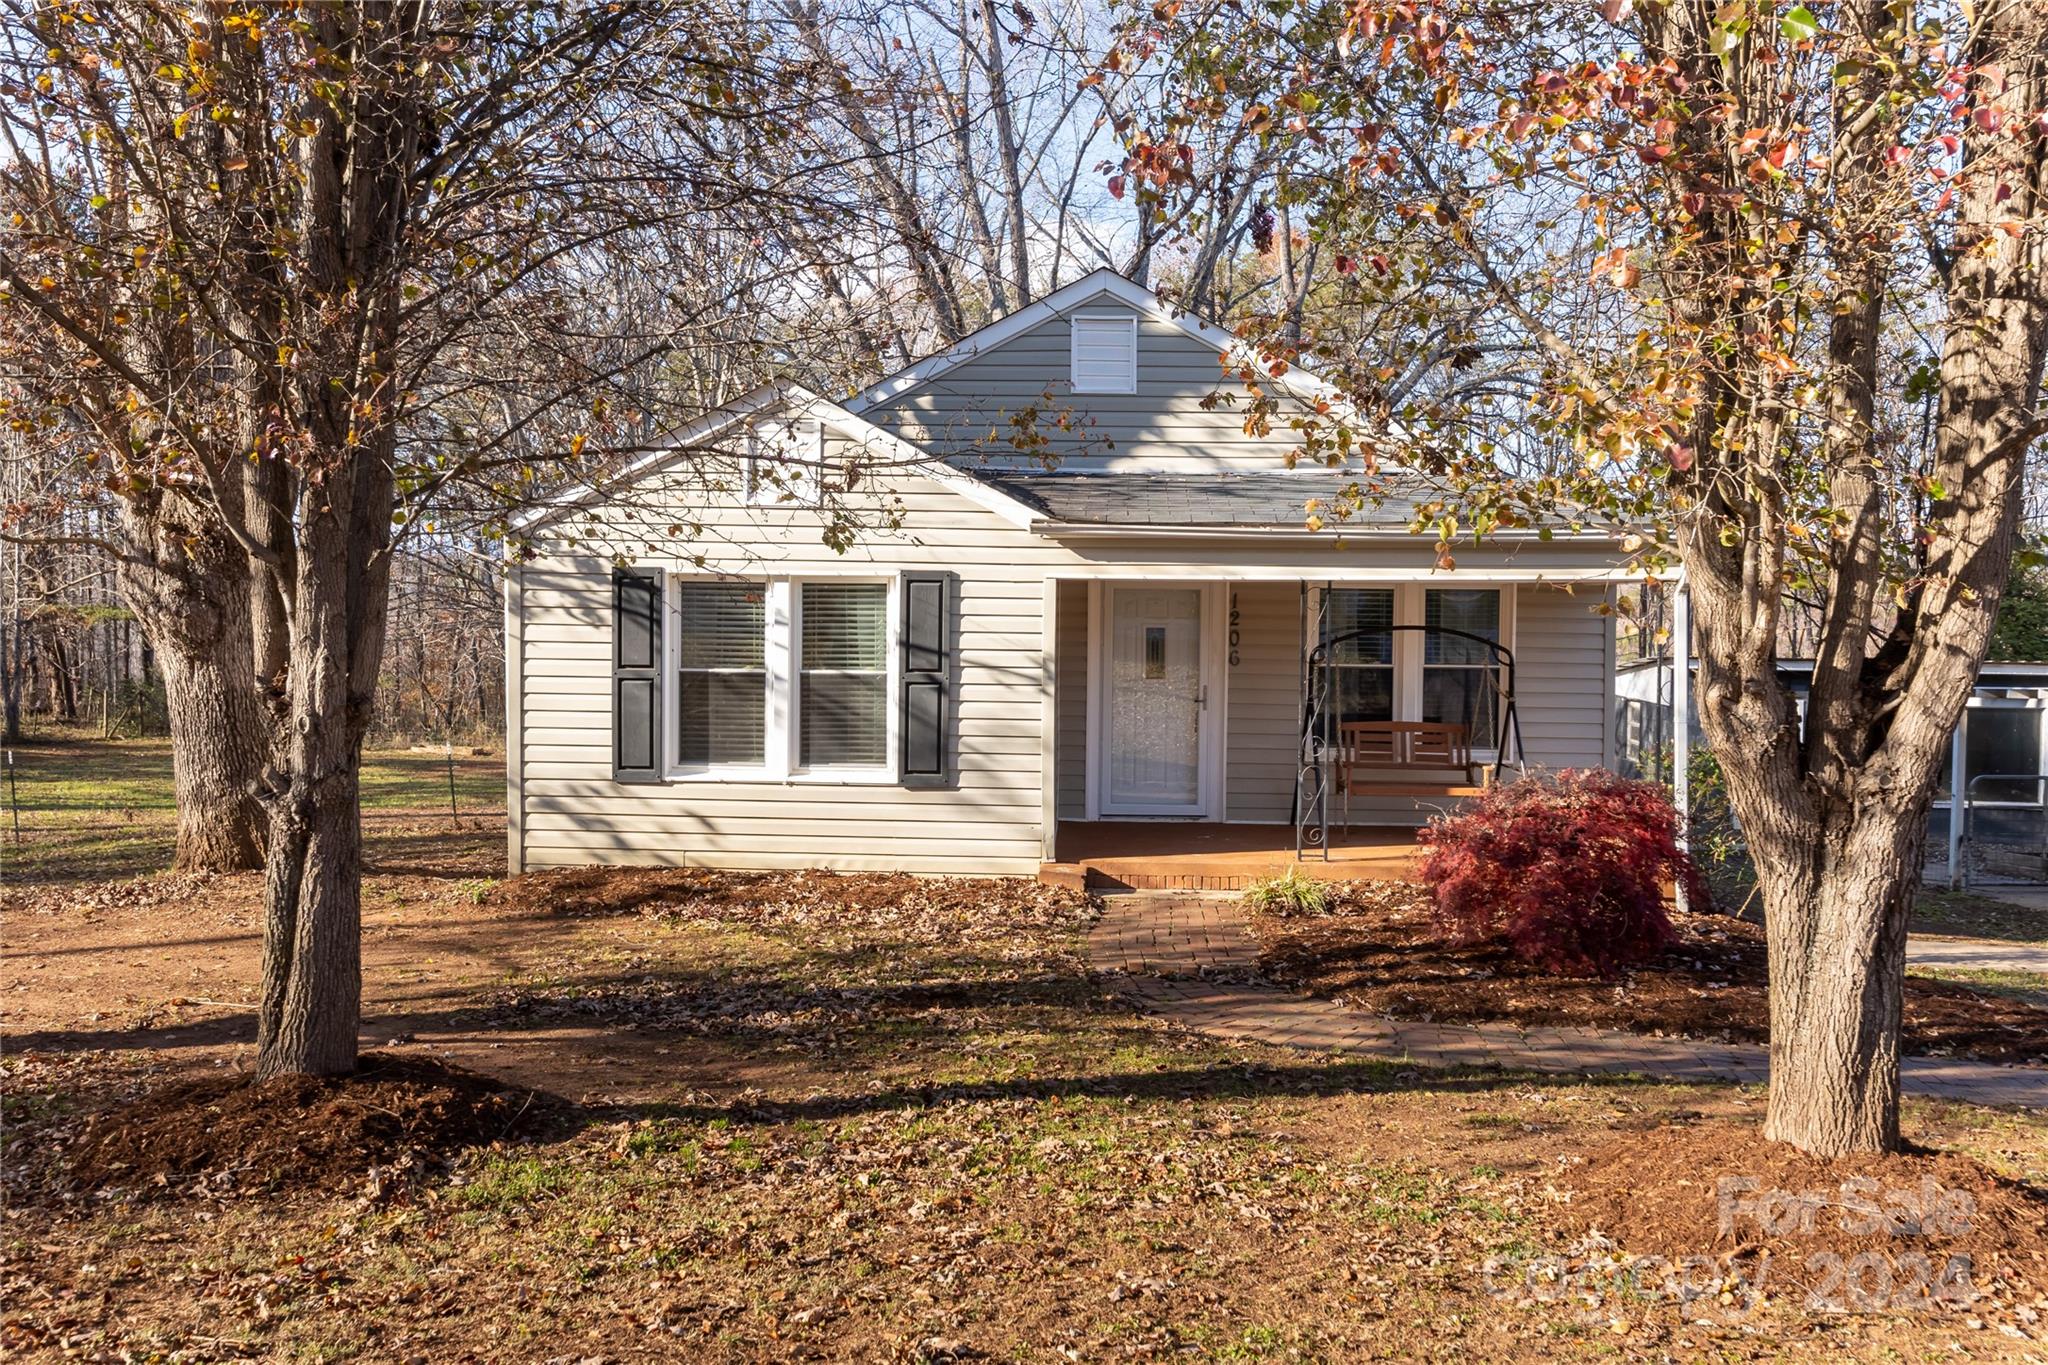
<point>1569,869</point>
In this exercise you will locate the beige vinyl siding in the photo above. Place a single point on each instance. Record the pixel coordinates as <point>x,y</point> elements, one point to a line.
<point>567,810</point>
<point>1563,684</point>
<point>1264,703</point>
<point>971,409</point>
<point>1072,670</point>
<point>571,812</point>
<point>515,721</point>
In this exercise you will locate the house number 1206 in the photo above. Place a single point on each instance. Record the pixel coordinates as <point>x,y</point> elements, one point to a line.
<point>1233,630</point>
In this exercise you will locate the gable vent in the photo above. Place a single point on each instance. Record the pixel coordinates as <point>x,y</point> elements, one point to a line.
<point>1105,353</point>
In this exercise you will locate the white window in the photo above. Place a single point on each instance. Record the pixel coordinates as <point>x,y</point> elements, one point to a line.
<point>1446,675</point>
<point>1105,353</point>
<point>1459,682</point>
<point>721,673</point>
<point>784,680</point>
<point>1362,672</point>
<point>842,713</point>
<point>786,463</point>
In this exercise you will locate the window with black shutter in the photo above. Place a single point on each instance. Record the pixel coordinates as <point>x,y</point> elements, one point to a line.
<point>636,675</point>
<point>930,604</point>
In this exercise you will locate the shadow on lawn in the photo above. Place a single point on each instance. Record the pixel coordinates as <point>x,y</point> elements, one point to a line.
<point>631,1012</point>
<point>1221,1081</point>
<point>639,1022</point>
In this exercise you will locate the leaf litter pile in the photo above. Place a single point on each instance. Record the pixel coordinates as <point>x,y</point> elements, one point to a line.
<point>918,909</point>
<point>226,1133</point>
<point>1770,1218</point>
<point>1020,1168</point>
<point>1005,941</point>
<point>1378,949</point>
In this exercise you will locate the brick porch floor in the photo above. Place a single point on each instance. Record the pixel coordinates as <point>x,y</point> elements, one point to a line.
<point>1197,855</point>
<point>1193,960</point>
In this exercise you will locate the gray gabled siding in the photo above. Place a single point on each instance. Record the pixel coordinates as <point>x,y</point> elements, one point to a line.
<point>969,410</point>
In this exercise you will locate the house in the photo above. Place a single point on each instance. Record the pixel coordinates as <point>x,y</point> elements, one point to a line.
<point>1997,831</point>
<point>1083,606</point>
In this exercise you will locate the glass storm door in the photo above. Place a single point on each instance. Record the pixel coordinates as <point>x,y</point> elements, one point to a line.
<point>1155,702</point>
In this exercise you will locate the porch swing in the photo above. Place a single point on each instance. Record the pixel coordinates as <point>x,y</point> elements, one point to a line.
<point>1394,758</point>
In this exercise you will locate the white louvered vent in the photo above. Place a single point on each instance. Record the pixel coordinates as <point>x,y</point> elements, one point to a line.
<point>1105,353</point>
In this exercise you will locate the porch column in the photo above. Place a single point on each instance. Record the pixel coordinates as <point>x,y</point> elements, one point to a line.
<point>1957,811</point>
<point>1049,724</point>
<point>1681,719</point>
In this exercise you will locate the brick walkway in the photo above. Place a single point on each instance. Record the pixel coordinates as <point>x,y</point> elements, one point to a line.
<point>1192,959</point>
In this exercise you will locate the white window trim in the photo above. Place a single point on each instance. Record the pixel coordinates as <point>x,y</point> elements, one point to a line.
<point>888,774</point>
<point>781,654</point>
<point>1130,320</point>
<point>775,606</point>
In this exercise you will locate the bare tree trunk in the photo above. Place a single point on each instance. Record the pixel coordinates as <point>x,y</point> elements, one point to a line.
<point>1009,153</point>
<point>217,751</point>
<point>312,948</point>
<point>10,679</point>
<point>312,952</point>
<point>312,944</point>
<point>189,590</point>
<point>1836,910</point>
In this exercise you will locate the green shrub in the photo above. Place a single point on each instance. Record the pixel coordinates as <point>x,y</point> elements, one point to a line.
<point>1290,893</point>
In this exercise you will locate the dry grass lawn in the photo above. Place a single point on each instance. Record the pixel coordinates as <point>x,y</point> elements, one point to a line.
<point>810,1119</point>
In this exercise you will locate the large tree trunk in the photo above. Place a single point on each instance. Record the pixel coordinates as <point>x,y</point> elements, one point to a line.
<point>312,951</point>
<point>1836,913</point>
<point>217,752</point>
<point>312,938</point>
<point>188,587</point>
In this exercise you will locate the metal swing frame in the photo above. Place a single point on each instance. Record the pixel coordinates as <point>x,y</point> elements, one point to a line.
<point>1312,794</point>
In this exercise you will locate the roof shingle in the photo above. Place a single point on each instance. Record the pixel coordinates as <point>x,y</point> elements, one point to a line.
<point>1261,498</point>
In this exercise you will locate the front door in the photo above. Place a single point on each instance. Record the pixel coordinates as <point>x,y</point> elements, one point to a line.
<point>1154,702</point>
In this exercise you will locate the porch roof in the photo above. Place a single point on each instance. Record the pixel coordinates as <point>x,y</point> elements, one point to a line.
<point>1250,499</point>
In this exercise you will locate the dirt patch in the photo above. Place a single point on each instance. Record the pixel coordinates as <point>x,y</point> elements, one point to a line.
<point>1380,950</point>
<point>917,909</point>
<point>289,1132</point>
<point>1847,1228</point>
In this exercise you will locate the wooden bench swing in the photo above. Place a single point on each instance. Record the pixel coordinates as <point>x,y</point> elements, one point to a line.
<point>1394,757</point>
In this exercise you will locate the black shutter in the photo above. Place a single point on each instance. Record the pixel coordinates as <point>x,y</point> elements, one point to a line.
<point>636,675</point>
<point>931,601</point>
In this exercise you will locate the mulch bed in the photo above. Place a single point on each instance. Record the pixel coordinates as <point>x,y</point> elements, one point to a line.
<point>1717,1190</point>
<point>920,909</point>
<point>1379,950</point>
<point>287,1132</point>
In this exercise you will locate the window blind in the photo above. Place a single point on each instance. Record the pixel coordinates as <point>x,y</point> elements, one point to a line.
<point>1363,677</point>
<point>844,663</point>
<point>722,681</point>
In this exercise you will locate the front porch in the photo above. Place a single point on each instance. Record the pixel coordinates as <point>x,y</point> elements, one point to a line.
<point>1203,733</point>
<point>1177,855</point>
